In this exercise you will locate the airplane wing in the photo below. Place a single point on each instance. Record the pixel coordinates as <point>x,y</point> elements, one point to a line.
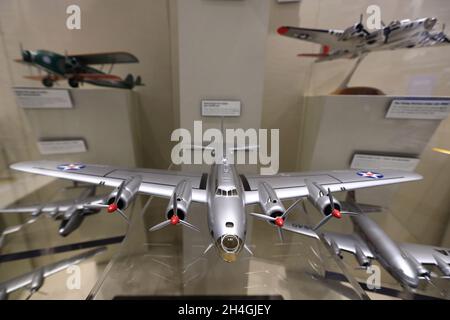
<point>293,185</point>
<point>96,76</point>
<point>427,254</point>
<point>344,242</point>
<point>105,58</point>
<point>154,182</point>
<point>50,207</point>
<point>46,271</point>
<point>54,77</point>
<point>324,37</point>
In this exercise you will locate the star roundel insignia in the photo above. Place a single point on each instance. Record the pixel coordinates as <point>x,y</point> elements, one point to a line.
<point>71,167</point>
<point>370,174</point>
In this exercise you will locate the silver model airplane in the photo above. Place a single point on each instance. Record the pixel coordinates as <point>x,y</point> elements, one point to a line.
<point>70,212</point>
<point>225,192</point>
<point>404,261</point>
<point>34,280</point>
<point>356,40</point>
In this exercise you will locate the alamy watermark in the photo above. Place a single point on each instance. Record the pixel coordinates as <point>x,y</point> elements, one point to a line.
<point>235,147</point>
<point>73,281</point>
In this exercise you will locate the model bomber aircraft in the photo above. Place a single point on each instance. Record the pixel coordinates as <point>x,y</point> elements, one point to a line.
<point>70,212</point>
<point>404,261</point>
<point>76,68</point>
<point>356,40</point>
<point>34,280</point>
<point>225,192</point>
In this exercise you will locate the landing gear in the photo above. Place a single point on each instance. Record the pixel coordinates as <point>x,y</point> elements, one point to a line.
<point>74,83</point>
<point>48,82</point>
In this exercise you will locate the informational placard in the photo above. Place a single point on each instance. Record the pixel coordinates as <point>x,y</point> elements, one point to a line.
<point>368,161</point>
<point>419,108</point>
<point>61,146</point>
<point>36,98</point>
<point>221,108</point>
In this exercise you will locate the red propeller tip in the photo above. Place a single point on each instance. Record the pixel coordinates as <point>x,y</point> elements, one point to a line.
<point>336,213</point>
<point>112,208</point>
<point>174,220</point>
<point>279,222</point>
<point>283,30</point>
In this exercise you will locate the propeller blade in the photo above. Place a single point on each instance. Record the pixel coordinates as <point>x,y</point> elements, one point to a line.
<point>190,226</point>
<point>321,223</point>
<point>119,192</point>
<point>95,206</point>
<point>123,215</point>
<point>175,208</point>
<point>30,295</point>
<point>262,216</point>
<point>159,226</point>
<point>280,234</point>
<point>290,208</point>
<point>211,245</point>
<point>354,214</point>
<point>331,199</point>
<point>248,249</point>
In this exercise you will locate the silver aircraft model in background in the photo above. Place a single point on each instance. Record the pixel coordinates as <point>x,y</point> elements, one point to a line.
<point>70,212</point>
<point>34,280</point>
<point>356,40</point>
<point>404,261</point>
<point>225,192</point>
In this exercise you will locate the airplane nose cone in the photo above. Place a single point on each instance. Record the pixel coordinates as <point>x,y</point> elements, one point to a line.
<point>336,213</point>
<point>279,222</point>
<point>174,220</point>
<point>112,208</point>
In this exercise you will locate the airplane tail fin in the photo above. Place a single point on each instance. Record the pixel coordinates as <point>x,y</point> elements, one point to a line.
<point>129,80</point>
<point>138,81</point>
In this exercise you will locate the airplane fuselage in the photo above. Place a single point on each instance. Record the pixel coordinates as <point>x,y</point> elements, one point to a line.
<point>227,219</point>
<point>397,35</point>
<point>386,251</point>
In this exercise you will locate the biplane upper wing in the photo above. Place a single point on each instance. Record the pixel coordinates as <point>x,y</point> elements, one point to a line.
<point>105,58</point>
<point>81,76</point>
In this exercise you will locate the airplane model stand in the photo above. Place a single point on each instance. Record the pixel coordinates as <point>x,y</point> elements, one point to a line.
<point>344,89</point>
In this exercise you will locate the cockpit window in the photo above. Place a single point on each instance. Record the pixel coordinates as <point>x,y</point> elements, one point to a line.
<point>224,193</point>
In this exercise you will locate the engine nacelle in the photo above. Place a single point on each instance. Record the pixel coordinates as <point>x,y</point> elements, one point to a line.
<point>71,220</point>
<point>334,247</point>
<point>317,195</point>
<point>443,266</point>
<point>361,257</point>
<point>37,280</point>
<point>421,270</point>
<point>130,189</point>
<point>183,196</point>
<point>269,202</point>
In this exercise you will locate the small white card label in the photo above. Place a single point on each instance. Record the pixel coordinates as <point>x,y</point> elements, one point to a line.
<point>368,161</point>
<point>61,146</point>
<point>221,108</point>
<point>35,98</point>
<point>419,108</point>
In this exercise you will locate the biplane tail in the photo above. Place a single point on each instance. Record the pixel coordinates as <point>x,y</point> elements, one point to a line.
<point>131,82</point>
